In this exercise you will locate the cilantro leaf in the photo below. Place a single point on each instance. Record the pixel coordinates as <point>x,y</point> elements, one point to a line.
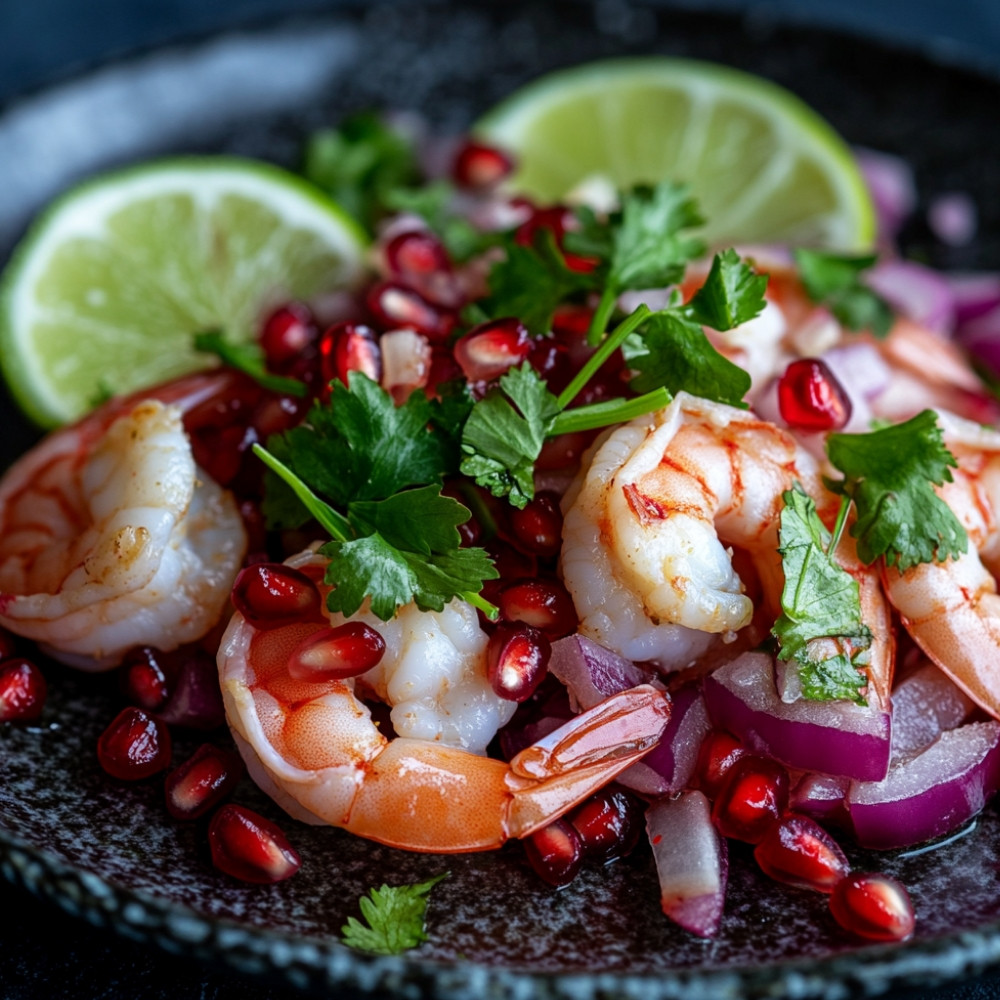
<point>407,549</point>
<point>889,474</point>
<point>820,602</point>
<point>505,432</point>
<point>641,243</point>
<point>530,283</point>
<point>834,280</point>
<point>733,293</point>
<point>394,918</point>
<point>249,359</point>
<point>360,163</point>
<point>673,351</point>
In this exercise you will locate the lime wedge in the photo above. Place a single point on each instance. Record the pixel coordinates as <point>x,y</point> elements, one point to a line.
<point>106,291</point>
<point>763,165</point>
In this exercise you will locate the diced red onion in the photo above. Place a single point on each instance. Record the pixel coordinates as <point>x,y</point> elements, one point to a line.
<point>691,862</point>
<point>592,673</point>
<point>822,797</point>
<point>931,794</point>
<point>675,757</point>
<point>974,295</point>
<point>916,291</point>
<point>925,705</point>
<point>892,187</point>
<point>860,369</point>
<point>835,737</point>
<point>953,218</point>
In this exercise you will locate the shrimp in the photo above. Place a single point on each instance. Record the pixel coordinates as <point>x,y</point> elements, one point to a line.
<point>647,529</point>
<point>315,749</point>
<point>111,537</point>
<point>951,608</point>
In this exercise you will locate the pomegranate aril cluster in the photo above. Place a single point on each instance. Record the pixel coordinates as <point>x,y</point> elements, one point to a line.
<point>600,829</point>
<point>750,796</point>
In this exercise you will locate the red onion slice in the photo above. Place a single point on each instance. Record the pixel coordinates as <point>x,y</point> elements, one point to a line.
<point>925,705</point>
<point>834,737</point>
<point>915,291</point>
<point>592,673</point>
<point>821,797</point>
<point>691,862</point>
<point>677,754</point>
<point>931,794</point>
<point>974,294</point>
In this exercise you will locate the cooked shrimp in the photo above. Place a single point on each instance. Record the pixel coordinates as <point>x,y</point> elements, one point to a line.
<point>110,537</point>
<point>314,747</point>
<point>647,532</point>
<point>951,608</point>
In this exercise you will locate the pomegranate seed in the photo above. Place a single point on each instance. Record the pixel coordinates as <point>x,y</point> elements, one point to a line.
<point>609,824</point>
<point>811,399</point>
<point>270,595</point>
<point>349,347</point>
<point>538,526</point>
<point>406,359</point>
<point>799,851</point>
<point>255,526</point>
<point>718,753</point>
<point>555,853</point>
<point>396,305</point>
<point>564,451</point>
<point>558,219</point>
<point>480,166</point>
<point>22,691</point>
<point>134,746</point>
<point>202,781</point>
<point>753,795</point>
<point>335,653</point>
<point>488,350</point>
<point>873,906</point>
<point>249,847</point>
<point>517,658</point>
<point>144,678</point>
<point>196,699</point>
<point>286,334</point>
<point>543,604</point>
<point>416,254</point>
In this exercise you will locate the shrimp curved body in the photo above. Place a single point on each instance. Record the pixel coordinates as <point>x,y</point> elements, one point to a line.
<point>648,532</point>
<point>952,608</point>
<point>314,747</point>
<point>110,537</point>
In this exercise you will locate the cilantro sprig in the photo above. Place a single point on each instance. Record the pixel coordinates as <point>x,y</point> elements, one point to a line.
<point>393,918</point>
<point>820,627</point>
<point>380,467</point>
<point>249,359</point>
<point>890,474</point>
<point>507,428</point>
<point>642,245</point>
<point>836,281</point>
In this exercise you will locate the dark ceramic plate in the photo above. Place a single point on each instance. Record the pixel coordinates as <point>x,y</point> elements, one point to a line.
<point>109,853</point>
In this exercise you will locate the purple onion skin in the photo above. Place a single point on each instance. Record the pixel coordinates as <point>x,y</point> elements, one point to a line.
<point>931,794</point>
<point>677,754</point>
<point>692,862</point>
<point>592,673</point>
<point>831,737</point>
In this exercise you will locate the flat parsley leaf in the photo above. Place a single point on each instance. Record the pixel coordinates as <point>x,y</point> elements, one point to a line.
<point>505,433</point>
<point>383,464</point>
<point>889,474</point>
<point>249,359</point>
<point>672,349</point>
<point>360,163</point>
<point>834,280</point>
<point>733,293</point>
<point>642,244</point>
<point>530,283</point>
<point>820,627</point>
<point>394,918</point>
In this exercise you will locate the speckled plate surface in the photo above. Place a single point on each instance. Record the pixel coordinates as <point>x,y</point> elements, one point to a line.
<point>109,851</point>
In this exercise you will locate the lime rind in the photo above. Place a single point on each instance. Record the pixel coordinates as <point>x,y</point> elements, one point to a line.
<point>310,232</point>
<point>629,103</point>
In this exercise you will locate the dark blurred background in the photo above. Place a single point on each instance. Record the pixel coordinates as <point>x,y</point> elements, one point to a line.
<point>43,40</point>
